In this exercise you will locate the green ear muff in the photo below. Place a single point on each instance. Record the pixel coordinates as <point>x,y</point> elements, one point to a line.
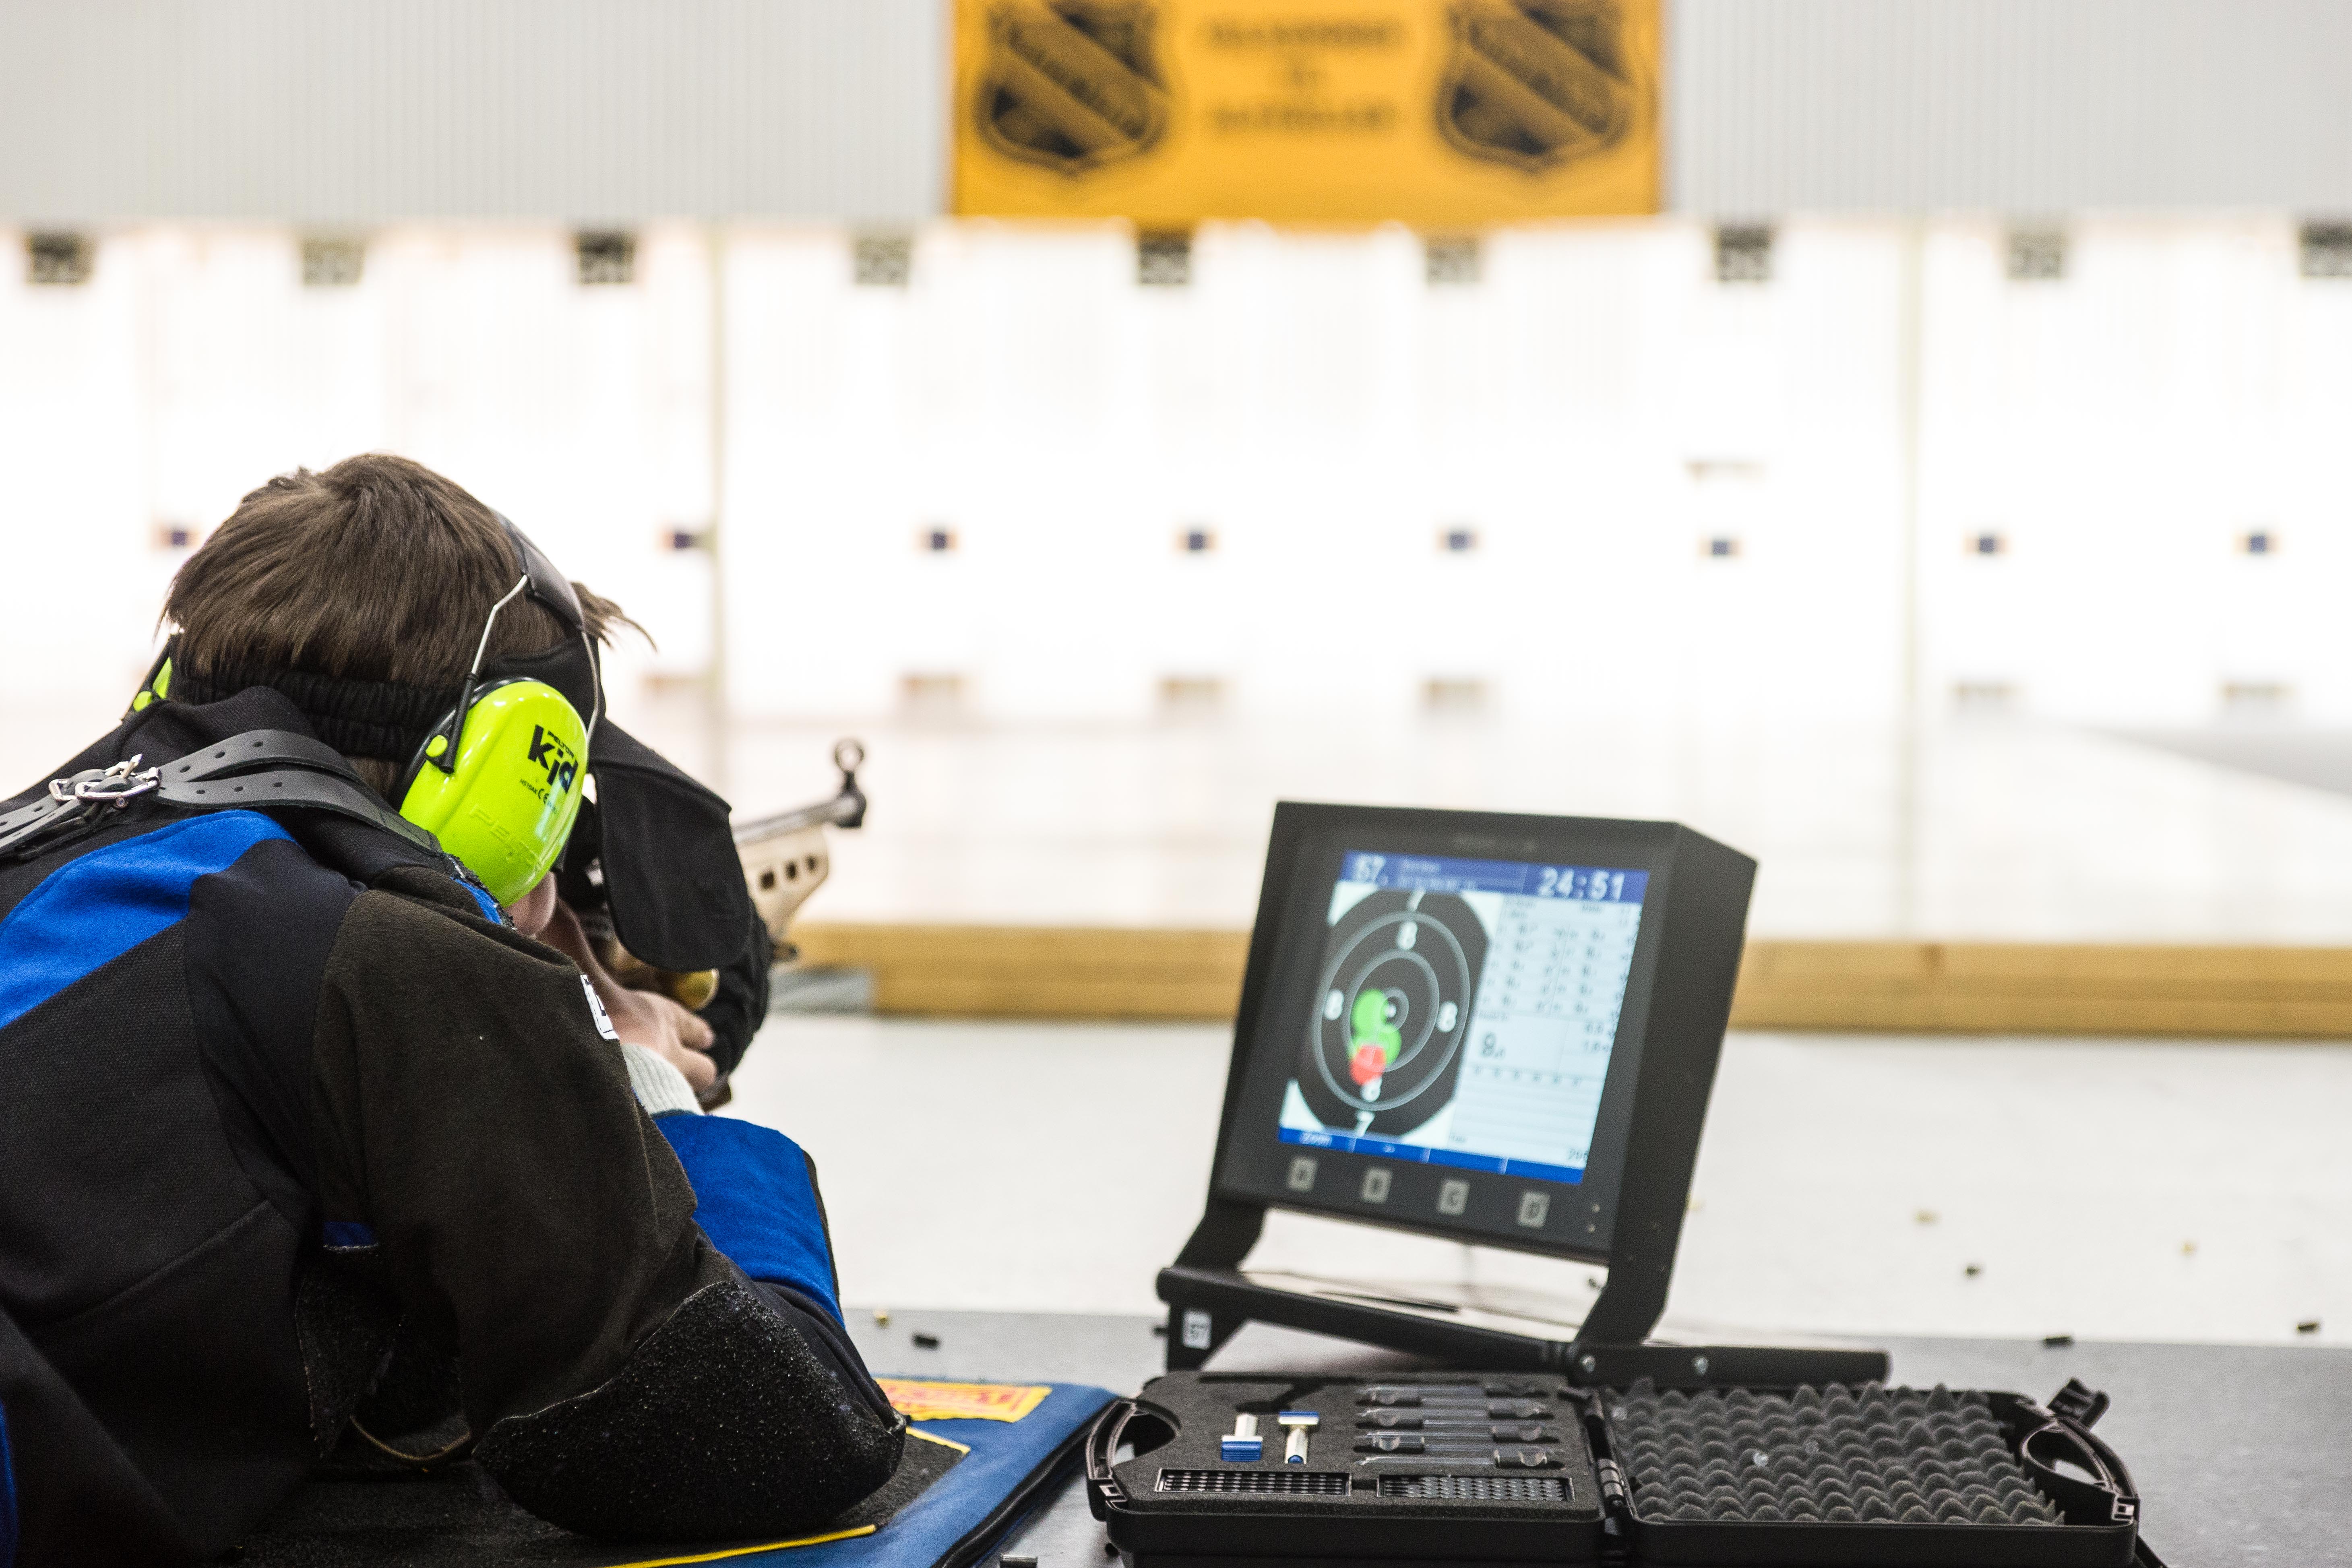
<point>158,684</point>
<point>505,803</point>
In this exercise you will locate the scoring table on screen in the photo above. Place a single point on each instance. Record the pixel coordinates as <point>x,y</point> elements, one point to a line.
<point>1543,1025</point>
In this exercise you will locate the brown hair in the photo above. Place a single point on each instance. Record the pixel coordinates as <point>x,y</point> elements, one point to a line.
<point>375,570</point>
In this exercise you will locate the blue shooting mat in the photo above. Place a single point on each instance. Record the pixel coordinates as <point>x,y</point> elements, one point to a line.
<point>972,1506</point>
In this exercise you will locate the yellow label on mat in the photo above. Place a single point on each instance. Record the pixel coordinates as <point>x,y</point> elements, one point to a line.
<point>725,1552</point>
<point>1434,113</point>
<point>962,1401</point>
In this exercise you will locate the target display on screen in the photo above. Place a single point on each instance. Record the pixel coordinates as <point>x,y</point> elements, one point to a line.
<point>1386,1045</point>
<point>1465,1011</point>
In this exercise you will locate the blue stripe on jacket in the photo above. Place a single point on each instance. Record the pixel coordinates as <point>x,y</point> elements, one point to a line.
<point>754,1200</point>
<point>91,911</point>
<point>482,900</point>
<point>7,1499</point>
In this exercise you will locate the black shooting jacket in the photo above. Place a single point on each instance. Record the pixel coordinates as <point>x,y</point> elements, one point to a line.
<point>280,1091</point>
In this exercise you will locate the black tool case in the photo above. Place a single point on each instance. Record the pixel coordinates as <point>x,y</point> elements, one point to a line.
<point>1503,1472</point>
<point>1496,1468</point>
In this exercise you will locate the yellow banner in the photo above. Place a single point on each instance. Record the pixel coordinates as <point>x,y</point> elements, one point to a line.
<point>1439,113</point>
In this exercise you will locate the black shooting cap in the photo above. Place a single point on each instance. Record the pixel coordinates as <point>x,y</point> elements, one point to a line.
<point>672,880</point>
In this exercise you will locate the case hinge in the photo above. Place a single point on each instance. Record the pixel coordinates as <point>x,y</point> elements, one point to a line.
<point>2079,1403</point>
<point>1613,1493</point>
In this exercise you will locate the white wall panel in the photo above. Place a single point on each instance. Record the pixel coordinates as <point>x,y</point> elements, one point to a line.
<point>1594,411</point>
<point>249,373</point>
<point>2123,430</point>
<point>193,366</point>
<point>81,581</point>
<point>825,593</point>
<point>581,412</point>
<point>1326,415</point>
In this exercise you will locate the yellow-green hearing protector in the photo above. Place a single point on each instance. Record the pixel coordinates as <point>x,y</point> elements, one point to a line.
<point>157,686</point>
<point>506,806</point>
<point>499,780</point>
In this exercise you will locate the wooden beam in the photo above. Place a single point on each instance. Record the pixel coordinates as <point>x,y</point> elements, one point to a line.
<point>1029,971</point>
<point>2258,992</point>
<point>1900,988</point>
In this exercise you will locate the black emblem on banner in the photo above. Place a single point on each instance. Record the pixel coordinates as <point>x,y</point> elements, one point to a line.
<point>1072,84</point>
<point>1537,83</point>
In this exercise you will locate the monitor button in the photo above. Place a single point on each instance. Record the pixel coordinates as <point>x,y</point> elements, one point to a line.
<point>1302,1174</point>
<point>1533,1207</point>
<point>1453,1197</point>
<point>1376,1184</point>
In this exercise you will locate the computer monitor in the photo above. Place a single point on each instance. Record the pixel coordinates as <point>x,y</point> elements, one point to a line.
<point>1492,1029</point>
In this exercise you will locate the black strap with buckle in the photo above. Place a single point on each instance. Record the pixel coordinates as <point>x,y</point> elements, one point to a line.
<point>71,807</point>
<point>258,770</point>
<point>221,778</point>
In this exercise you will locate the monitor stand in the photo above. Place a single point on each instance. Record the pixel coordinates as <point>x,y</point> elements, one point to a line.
<point>1210,1298</point>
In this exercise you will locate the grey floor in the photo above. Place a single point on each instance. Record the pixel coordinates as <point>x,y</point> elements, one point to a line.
<point>2317,759</point>
<point>2111,1190</point>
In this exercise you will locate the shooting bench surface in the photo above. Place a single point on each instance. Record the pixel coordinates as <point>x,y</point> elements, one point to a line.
<point>2241,1452</point>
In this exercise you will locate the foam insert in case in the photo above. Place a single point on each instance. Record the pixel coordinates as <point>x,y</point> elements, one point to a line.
<point>1865,1476</point>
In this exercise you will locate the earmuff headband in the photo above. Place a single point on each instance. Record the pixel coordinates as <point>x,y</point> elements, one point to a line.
<point>548,585</point>
<point>445,756</point>
<point>552,589</point>
<point>538,578</point>
<point>483,646</point>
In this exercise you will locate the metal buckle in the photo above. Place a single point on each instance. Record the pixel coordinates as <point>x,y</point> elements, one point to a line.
<point>72,805</point>
<point>117,785</point>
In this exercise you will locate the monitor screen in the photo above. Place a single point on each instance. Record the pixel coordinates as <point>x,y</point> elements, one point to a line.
<point>1480,1026</point>
<point>1464,1012</point>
